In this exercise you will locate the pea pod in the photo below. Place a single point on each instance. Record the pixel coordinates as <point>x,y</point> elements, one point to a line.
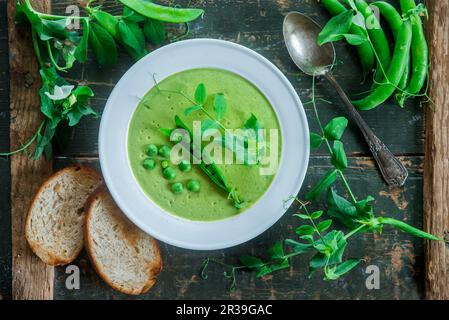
<point>162,13</point>
<point>378,38</point>
<point>394,73</point>
<point>394,20</point>
<point>211,169</point>
<point>420,54</point>
<point>366,55</point>
<point>408,229</point>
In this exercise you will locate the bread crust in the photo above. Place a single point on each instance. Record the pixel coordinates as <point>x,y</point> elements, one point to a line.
<point>154,269</point>
<point>47,256</point>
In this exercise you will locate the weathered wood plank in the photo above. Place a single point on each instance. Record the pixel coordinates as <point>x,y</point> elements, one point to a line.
<point>436,170</point>
<point>398,256</point>
<point>5,230</point>
<point>5,180</point>
<point>32,279</point>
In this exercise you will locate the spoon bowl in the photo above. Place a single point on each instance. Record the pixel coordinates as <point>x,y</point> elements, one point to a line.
<point>301,34</point>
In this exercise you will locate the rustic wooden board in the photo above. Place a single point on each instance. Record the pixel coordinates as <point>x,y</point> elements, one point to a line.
<point>5,180</point>
<point>31,278</point>
<point>436,182</point>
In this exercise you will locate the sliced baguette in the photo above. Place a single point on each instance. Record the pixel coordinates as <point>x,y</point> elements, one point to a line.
<point>54,224</point>
<point>124,256</point>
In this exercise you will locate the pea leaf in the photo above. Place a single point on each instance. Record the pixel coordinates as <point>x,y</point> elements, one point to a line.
<point>220,105</point>
<point>81,50</point>
<point>208,124</point>
<point>263,271</point>
<point>297,246</point>
<point>200,94</point>
<point>132,38</point>
<point>341,209</point>
<point>339,159</point>
<point>103,45</point>
<point>53,29</point>
<point>191,109</point>
<point>322,185</point>
<point>282,264</point>
<point>107,21</point>
<point>364,207</point>
<point>346,267</point>
<point>335,128</point>
<point>355,39</point>
<point>154,31</point>
<point>131,15</point>
<point>43,142</point>
<point>83,93</point>
<point>308,237</point>
<point>344,206</point>
<point>68,54</point>
<point>302,216</point>
<point>317,214</point>
<point>251,262</point>
<point>252,123</point>
<point>276,251</point>
<point>336,26</point>
<point>315,140</point>
<point>324,225</point>
<point>318,261</point>
<point>305,230</point>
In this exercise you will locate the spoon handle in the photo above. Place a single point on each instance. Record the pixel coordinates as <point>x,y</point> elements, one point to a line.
<point>393,171</point>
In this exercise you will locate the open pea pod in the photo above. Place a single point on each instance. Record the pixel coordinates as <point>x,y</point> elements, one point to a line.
<point>211,169</point>
<point>163,13</point>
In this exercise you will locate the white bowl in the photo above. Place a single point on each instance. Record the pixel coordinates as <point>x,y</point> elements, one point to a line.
<point>184,55</point>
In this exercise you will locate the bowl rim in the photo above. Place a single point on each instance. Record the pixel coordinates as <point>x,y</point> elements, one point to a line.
<point>263,226</point>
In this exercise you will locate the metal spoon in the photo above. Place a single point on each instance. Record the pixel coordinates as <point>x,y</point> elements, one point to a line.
<point>300,36</point>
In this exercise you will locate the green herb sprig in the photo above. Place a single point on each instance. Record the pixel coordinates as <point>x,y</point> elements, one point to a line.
<point>208,166</point>
<point>57,50</point>
<point>317,233</point>
<point>231,141</point>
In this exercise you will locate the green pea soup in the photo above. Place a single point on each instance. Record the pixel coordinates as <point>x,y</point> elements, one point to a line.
<point>157,110</point>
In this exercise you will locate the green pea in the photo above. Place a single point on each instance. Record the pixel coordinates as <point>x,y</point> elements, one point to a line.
<point>164,151</point>
<point>151,150</point>
<point>193,185</point>
<point>164,164</point>
<point>185,166</point>
<point>169,173</point>
<point>177,188</point>
<point>149,164</point>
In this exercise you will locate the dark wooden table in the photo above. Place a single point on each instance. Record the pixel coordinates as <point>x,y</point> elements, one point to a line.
<point>256,24</point>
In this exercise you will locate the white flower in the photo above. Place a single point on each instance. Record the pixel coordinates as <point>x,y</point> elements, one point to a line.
<point>60,92</point>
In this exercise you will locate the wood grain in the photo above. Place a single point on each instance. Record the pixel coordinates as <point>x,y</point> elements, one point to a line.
<point>436,169</point>
<point>32,279</point>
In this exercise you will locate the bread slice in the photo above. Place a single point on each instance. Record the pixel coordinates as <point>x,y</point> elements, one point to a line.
<point>124,256</point>
<point>54,224</point>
